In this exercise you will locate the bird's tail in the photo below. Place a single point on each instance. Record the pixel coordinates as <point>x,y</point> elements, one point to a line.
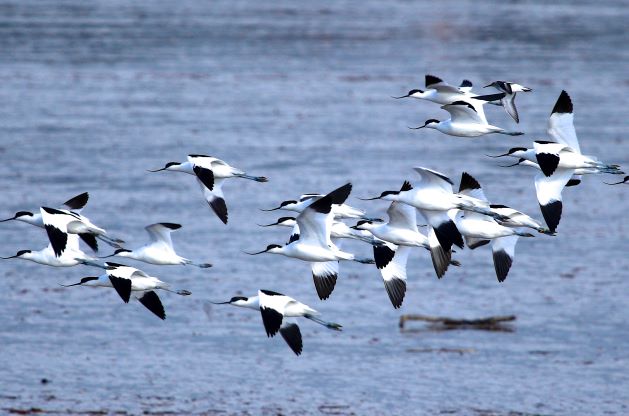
<point>330,325</point>
<point>365,261</point>
<point>522,234</point>
<point>91,263</point>
<point>199,265</point>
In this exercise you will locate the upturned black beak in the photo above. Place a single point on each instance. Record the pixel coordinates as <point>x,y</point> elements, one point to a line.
<point>272,209</point>
<point>417,128</point>
<point>106,257</point>
<point>403,96</point>
<point>73,284</point>
<point>8,219</point>
<point>354,227</point>
<point>497,156</point>
<point>220,303</point>
<point>268,225</point>
<point>253,254</point>
<point>7,258</point>
<point>156,170</point>
<point>369,199</point>
<point>489,85</point>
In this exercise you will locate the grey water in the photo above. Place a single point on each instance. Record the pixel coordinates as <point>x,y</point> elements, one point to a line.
<point>92,94</point>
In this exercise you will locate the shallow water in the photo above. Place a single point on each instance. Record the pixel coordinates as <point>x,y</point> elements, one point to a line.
<point>93,94</point>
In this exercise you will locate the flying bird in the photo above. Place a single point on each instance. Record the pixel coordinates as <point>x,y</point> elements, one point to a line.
<point>508,101</point>
<point>82,226</point>
<point>314,244</point>
<point>127,280</point>
<point>274,307</point>
<point>210,173</point>
<point>464,121</point>
<point>160,250</point>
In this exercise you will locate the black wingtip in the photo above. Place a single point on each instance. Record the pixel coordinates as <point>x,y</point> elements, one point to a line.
<point>502,264</point>
<point>406,186</point>
<point>466,83</point>
<point>563,104</point>
<point>220,208</point>
<point>292,336</point>
<point>151,301</point>
<point>431,79</point>
<point>77,202</point>
<point>325,285</point>
<point>573,182</point>
<point>440,260</point>
<point>552,214</point>
<point>170,225</point>
<point>336,197</point>
<point>396,289</point>
<point>468,182</point>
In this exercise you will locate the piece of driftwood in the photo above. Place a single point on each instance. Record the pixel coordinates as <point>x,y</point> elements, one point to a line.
<point>492,323</point>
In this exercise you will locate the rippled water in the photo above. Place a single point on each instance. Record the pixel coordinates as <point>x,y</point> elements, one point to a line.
<point>94,93</point>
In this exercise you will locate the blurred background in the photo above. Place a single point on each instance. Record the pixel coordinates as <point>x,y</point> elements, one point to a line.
<point>94,93</point>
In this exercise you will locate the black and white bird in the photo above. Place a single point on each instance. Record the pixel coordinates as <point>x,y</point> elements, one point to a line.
<point>81,225</point>
<point>127,280</point>
<point>479,229</point>
<point>160,250</point>
<point>340,211</point>
<point>510,89</point>
<point>433,197</point>
<point>338,231</point>
<point>560,161</point>
<point>464,121</point>
<point>63,248</point>
<point>314,244</point>
<point>401,234</point>
<point>210,173</point>
<point>274,308</point>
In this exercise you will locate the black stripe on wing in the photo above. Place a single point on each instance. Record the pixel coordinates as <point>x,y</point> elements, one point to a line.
<point>151,301</point>
<point>122,286</point>
<point>58,239</point>
<point>548,162</point>
<point>272,320</point>
<point>502,264</point>
<point>90,240</point>
<point>292,336</point>
<point>396,289</point>
<point>77,202</point>
<point>382,256</point>
<point>206,176</point>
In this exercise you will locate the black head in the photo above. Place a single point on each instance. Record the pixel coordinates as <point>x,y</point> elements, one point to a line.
<point>88,279</point>
<point>166,166</point>
<point>22,252</point>
<point>516,149</point>
<point>411,92</point>
<point>289,202</point>
<point>272,246</point>
<point>121,250</point>
<point>431,121</point>
<point>361,222</point>
<point>23,214</point>
<point>237,298</point>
